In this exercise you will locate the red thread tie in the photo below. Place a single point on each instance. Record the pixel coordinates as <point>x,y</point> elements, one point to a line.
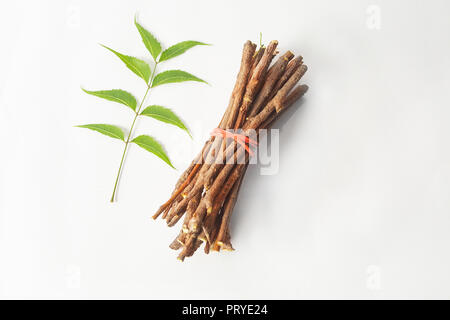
<point>242,139</point>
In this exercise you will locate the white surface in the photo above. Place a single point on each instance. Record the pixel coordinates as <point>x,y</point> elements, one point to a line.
<point>360,206</point>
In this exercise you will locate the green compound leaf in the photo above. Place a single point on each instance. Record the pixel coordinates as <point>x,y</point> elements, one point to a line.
<point>179,48</point>
<point>165,115</point>
<point>172,76</point>
<point>115,95</point>
<point>151,145</point>
<point>139,67</point>
<point>106,129</point>
<point>150,42</point>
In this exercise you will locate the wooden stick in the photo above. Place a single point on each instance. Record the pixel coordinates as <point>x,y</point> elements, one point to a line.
<point>206,192</point>
<point>273,75</point>
<point>254,81</point>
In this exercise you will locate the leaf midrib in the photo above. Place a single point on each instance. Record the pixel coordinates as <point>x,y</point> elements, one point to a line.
<point>123,102</point>
<point>166,118</point>
<point>100,129</point>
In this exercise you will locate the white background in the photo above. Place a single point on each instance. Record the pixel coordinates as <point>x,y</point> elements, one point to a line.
<point>359,208</point>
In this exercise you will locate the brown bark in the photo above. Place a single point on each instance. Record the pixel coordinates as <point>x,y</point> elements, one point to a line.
<point>241,83</point>
<point>229,206</point>
<point>207,191</point>
<point>273,75</point>
<point>254,81</point>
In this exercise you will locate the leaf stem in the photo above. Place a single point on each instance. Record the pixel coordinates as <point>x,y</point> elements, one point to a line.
<point>137,113</point>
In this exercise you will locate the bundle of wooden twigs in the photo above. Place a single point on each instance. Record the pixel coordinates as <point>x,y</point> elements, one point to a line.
<point>207,191</point>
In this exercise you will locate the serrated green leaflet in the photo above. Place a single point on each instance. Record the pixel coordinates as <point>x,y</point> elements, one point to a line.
<point>106,129</point>
<point>178,49</point>
<point>150,42</point>
<point>139,67</point>
<point>172,76</point>
<point>151,145</point>
<point>115,95</point>
<point>165,115</point>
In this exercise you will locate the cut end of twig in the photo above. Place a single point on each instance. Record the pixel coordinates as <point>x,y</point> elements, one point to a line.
<point>176,244</point>
<point>173,221</point>
<point>225,245</point>
<point>288,55</point>
<point>157,214</point>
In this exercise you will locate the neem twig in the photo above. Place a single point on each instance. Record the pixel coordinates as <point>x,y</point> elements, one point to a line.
<point>207,191</point>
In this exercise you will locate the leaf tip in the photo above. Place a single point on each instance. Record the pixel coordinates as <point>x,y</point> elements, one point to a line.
<point>204,81</point>
<point>136,23</point>
<point>200,43</point>
<point>106,47</point>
